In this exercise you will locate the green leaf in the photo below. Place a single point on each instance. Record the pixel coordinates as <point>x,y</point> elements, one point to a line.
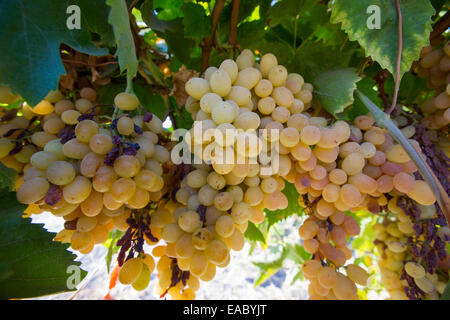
<point>335,88</point>
<point>168,9</point>
<point>95,13</point>
<point>126,52</point>
<point>298,276</point>
<point>367,86</point>
<point>314,58</point>
<point>183,119</point>
<point>256,29</point>
<point>446,294</point>
<point>31,263</point>
<point>288,9</point>
<point>111,244</point>
<point>107,93</point>
<point>196,24</point>
<point>254,234</point>
<point>179,45</point>
<point>30,37</point>
<point>155,23</point>
<point>295,253</point>
<point>410,89</point>
<point>15,105</point>
<point>364,241</point>
<point>150,100</point>
<point>382,44</point>
<point>282,50</point>
<point>293,207</point>
<point>7,177</point>
<point>268,269</point>
<point>298,254</point>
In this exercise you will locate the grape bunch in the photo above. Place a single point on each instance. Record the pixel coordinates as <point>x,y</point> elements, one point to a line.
<point>355,171</point>
<point>228,186</point>
<point>434,65</point>
<point>411,241</point>
<point>97,173</point>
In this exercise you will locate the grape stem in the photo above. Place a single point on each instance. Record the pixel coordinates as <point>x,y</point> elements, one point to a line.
<point>207,42</point>
<point>232,35</point>
<point>399,58</point>
<point>440,26</point>
<point>385,121</point>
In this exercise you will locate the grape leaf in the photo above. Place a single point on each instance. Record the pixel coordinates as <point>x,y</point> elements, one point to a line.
<point>96,15</point>
<point>268,269</point>
<point>287,9</point>
<point>335,88</point>
<point>118,18</point>
<point>112,246</point>
<point>358,108</point>
<point>7,177</point>
<point>256,29</point>
<point>411,88</point>
<point>155,23</point>
<point>179,45</point>
<point>150,100</point>
<point>196,24</point>
<point>296,253</point>
<point>15,105</point>
<point>293,207</point>
<point>446,294</point>
<point>31,263</point>
<point>168,9</point>
<point>254,234</point>
<point>30,37</point>
<point>313,58</point>
<point>382,44</point>
<point>107,93</point>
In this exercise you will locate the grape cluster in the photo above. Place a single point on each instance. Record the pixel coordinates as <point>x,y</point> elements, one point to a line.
<point>355,171</point>
<point>434,65</point>
<point>95,172</point>
<point>411,241</point>
<point>217,198</point>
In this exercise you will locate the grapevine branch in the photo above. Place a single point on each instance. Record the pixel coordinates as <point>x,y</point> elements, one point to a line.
<point>440,26</point>
<point>208,42</point>
<point>399,58</point>
<point>232,36</point>
<point>385,121</point>
<point>89,64</point>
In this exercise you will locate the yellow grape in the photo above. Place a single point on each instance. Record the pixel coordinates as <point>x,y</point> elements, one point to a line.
<point>126,101</point>
<point>143,280</point>
<point>414,269</point>
<point>357,274</point>
<point>130,271</point>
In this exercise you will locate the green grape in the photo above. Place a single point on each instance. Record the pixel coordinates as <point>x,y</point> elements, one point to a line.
<point>32,190</point>
<point>60,173</point>
<point>78,190</point>
<point>141,283</point>
<point>42,159</point>
<point>126,101</point>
